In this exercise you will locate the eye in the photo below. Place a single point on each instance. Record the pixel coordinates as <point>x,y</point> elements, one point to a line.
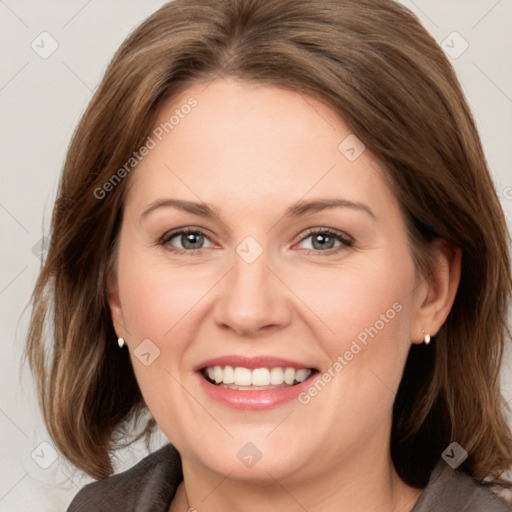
<point>324,240</point>
<point>190,239</point>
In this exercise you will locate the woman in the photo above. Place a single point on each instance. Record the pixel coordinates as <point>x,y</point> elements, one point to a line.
<point>276,232</point>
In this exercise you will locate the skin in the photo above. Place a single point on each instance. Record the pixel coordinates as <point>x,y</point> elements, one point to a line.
<point>250,151</point>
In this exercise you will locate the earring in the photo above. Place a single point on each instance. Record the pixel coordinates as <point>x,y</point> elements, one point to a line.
<point>426,337</point>
<point>120,342</point>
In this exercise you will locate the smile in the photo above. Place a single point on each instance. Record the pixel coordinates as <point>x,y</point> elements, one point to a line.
<point>253,383</point>
<point>241,378</point>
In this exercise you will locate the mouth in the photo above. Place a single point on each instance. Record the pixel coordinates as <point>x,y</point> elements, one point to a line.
<point>240,378</point>
<point>253,382</point>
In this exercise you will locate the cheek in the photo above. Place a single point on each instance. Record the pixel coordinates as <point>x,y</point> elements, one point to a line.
<point>366,297</point>
<point>158,306</point>
<point>161,303</point>
<point>157,297</point>
<point>364,312</point>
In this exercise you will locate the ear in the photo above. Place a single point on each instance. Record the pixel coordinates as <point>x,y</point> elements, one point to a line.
<point>437,292</point>
<point>114,303</point>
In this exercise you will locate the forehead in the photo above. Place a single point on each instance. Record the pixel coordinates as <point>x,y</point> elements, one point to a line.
<point>245,144</point>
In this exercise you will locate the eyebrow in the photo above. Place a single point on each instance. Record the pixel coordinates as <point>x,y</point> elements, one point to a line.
<point>297,209</point>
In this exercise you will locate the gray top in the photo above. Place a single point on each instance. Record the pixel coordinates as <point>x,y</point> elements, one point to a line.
<point>150,485</point>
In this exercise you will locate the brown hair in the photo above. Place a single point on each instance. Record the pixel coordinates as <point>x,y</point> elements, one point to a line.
<point>372,63</point>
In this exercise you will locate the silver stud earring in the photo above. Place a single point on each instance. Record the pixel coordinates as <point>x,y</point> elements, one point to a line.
<point>426,337</point>
<point>120,342</point>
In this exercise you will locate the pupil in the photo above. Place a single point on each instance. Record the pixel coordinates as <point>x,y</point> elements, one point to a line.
<point>324,238</point>
<point>189,238</point>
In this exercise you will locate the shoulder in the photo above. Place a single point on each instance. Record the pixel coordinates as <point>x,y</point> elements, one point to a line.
<point>452,489</point>
<point>149,485</point>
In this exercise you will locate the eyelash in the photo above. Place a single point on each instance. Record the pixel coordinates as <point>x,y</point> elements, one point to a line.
<point>346,240</point>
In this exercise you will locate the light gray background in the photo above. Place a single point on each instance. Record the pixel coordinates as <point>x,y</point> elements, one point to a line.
<point>41,101</point>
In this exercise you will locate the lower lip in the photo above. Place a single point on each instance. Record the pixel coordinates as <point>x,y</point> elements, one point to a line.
<point>256,400</point>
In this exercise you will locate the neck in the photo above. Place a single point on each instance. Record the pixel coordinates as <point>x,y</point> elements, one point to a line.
<point>364,482</point>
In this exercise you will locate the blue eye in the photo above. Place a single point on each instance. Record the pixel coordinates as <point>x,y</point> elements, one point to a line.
<point>323,240</point>
<point>192,241</point>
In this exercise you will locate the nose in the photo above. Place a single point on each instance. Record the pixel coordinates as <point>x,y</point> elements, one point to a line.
<point>253,299</point>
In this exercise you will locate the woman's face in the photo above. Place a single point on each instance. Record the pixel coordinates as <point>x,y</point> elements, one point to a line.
<point>267,280</point>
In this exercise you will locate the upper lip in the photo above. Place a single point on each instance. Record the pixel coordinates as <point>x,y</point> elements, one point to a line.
<point>251,362</point>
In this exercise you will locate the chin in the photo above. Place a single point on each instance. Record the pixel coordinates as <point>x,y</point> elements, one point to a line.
<point>252,458</point>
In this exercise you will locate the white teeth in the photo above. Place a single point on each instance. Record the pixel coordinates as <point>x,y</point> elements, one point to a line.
<point>228,375</point>
<point>289,375</point>
<point>240,376</point>
<point>276,376</point>
<point>218,374</point>
<point>302,374</point>
<point>260,377</point>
